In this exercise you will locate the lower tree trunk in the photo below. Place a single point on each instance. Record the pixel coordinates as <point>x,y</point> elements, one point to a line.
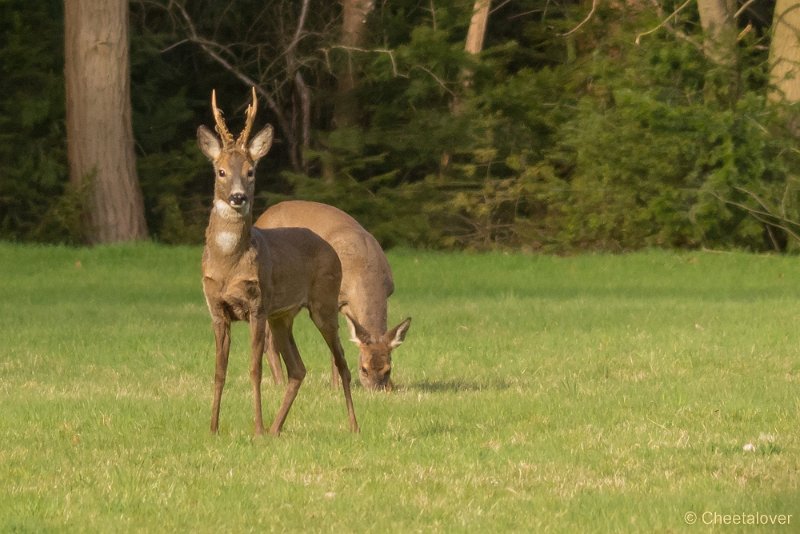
<point>99,129</point>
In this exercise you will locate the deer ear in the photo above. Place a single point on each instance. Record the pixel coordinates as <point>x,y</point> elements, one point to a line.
<point>358,335</point>
<point>209,143</point>
<point>397,335</point>
<point>261,143</point>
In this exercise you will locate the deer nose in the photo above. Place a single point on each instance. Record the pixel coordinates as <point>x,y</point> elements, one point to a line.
<point>237,199</point>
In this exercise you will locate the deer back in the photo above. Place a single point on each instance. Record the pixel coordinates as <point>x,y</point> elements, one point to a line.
<point>367,279</point>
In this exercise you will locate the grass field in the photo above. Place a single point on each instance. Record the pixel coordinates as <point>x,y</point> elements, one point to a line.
<point>583,394</point>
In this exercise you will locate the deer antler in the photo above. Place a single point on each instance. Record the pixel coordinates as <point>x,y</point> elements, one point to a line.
<point>250,116</point>
<point>222,129</point>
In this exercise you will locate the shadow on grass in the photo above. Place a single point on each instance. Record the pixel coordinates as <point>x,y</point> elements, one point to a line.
<point>454,386</point>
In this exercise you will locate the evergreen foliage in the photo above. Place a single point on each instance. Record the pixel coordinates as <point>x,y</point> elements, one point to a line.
<point>549,140</point>
<point>33,164</point>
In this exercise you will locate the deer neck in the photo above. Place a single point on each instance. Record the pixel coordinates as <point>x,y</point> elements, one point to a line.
<point>370,315</point>
<point>227,235</point>
<point>375,324</point>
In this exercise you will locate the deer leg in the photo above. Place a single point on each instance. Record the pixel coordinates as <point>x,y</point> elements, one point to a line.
<point>296,371</point>
<point>344,373</point>
<point>273,357</point>
<point>334,372</point>
<point>257,335</point>
<point>328,326</point>
<point>222,335</point>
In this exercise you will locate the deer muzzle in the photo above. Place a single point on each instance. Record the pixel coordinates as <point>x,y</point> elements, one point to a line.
<point>237,200</point>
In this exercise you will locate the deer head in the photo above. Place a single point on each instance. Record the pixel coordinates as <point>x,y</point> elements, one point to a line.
<point>375,354</point>
<point>234,160</point>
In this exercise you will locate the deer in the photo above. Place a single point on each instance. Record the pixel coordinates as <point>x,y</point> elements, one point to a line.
<point>264,277</point>
<point>367,283</point>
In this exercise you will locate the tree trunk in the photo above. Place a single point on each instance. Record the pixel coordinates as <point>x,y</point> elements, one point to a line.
<point>99,128</point>
<point>719,46</point>
<point>355,13</point>
<point>784,53</point>
<point>719,31</point>
<point>473,45</point>
<point>477,26</point>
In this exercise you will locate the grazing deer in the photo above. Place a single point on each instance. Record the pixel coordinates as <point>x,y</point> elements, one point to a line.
<point>262,276</point>
<point>366,285</point>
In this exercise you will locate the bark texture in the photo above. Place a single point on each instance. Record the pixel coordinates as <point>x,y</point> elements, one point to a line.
<point>99,128</point>
<point>719,31</point>
<point>477,26</point>
<point>354,35</point>
<point>784,52</point>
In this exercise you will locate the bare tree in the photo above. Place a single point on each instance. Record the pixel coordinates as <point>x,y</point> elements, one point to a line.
<point>99,129</point>
<point>477,26</point>
<point>353,37</point>
<point>473,45</point>
<point>276,54</point>
<point>784,52</point>
<point>719,30</point>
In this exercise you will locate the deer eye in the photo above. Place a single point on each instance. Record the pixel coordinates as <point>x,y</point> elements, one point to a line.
<point>250,173</point>
<point>221,173</point>
<point>363,370</point>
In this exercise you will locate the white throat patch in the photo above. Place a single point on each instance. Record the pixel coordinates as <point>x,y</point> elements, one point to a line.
<point>227,241</point>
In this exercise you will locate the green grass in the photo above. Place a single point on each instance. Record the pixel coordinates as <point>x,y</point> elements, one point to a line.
<point>592,394</point>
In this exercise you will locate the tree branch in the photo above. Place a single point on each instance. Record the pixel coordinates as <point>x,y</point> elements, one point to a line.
<point>743,8</point>
<point>663,22</point>
<point>386,51</point>
<point>584,21</point>
<point>390,53</point>
<point>298,33</point>
<point>210,48</point>
<point>763,215</point>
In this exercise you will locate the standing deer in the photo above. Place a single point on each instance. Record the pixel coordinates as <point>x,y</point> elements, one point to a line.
<point>366,285</point>
<point>263,276</point>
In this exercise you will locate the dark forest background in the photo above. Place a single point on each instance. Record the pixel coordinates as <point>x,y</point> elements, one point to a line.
<point>580,125</point>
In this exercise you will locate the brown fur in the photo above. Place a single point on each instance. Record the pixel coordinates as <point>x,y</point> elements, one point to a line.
<point>263,276</point>
<point>367,284</point>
